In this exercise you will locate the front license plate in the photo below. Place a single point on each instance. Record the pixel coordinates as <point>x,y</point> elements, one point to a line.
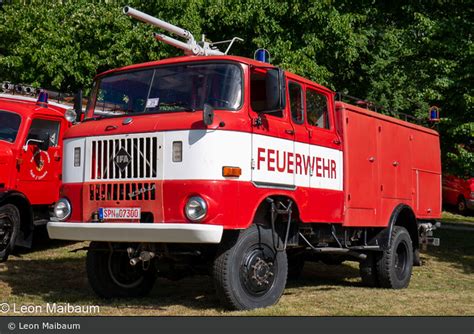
<point>119,213</point>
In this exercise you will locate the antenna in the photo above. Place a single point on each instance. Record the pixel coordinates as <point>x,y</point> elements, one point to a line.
<point>190,47</point>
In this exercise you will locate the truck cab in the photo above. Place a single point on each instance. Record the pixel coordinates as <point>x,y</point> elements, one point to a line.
<point>31,163</point>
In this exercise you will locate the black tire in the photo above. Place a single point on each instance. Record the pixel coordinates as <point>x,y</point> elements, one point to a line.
<point>417,258</point>
<point>394,265</point>
<point>461,207</point>
<point>368,271</point>
<point>295,266</point>
<point>111,275</point>
<point>248,272</point>
<point>9,229</point>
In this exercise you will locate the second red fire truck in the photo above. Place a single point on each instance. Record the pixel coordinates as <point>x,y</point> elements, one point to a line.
<point>228,166</point>
<point>31,132</point>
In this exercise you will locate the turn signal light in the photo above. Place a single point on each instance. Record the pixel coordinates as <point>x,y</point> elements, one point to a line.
<point>231,171</point>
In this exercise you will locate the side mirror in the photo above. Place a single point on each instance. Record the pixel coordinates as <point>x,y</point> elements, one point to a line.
<point>272,90</point>
<point>282,80</point>
<point>78,105</point>
<point>42,142</point>
<point>208,114</point>
<point>45,142</point>
<point>275,89</point>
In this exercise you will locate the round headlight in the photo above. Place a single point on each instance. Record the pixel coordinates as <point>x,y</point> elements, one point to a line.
<point>62,209</point>
<point>70,115</point>
<point>196,208</point>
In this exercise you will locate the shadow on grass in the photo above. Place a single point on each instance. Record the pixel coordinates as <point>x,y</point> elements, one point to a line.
<point>64,280</point>
<point>41,242</point>
<point>456,248</point>
<point>328,277</point>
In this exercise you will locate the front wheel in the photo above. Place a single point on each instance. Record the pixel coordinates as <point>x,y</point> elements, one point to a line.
<point>248,272</point>
<point>9,229</point>
<point>111,275</point>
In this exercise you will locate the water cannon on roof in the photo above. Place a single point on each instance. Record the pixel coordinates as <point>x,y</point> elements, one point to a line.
<point>190,47</point>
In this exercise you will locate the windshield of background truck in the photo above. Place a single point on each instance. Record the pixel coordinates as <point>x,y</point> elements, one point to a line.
<point>174,88</point>
<point>9,125</point>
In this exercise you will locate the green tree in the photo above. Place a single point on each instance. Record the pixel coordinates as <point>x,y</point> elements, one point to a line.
<point>404,55</point>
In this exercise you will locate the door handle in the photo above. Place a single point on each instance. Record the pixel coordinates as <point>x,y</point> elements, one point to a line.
<point>395,163</point>
<point>111,127</point>
<point>337,141</point>
<point>290,131</point>
<point>372,159</point>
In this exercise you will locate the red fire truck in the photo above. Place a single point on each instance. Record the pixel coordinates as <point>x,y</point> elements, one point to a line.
<point>31,133</point>
<point>223,165</point>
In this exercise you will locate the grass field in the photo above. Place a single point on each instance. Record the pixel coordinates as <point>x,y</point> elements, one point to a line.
<point>444,285</point>
<point>449,217</point>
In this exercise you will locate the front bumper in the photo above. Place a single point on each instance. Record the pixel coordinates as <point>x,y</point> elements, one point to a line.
<point>135,232</point>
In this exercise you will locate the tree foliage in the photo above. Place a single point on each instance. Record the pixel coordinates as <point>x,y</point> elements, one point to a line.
<point>405,55</point>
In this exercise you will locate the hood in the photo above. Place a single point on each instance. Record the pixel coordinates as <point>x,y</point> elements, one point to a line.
<point>224,119</point>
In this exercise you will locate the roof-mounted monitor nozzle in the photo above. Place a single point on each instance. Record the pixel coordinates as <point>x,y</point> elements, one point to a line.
<point>190,47</point>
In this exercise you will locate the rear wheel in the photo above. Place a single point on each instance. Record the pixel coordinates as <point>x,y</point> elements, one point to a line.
<point>394,265</point>
<point>248,272</point>
<point>9,229</point>
<point>111,275</point>
<point>461,206</point>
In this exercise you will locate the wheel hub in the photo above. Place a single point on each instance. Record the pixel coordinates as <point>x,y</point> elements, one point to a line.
<point>262,272</point>
<point>258,271</point>
<point>121,272</point>
<point>6,230</point>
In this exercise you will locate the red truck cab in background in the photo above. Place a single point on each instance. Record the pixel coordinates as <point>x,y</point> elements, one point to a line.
<point>232,167</point>
<point>458,193</point>
<point>31,166</point>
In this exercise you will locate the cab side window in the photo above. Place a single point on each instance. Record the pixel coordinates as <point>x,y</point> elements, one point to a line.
<point>40,128</point>
<point>317,109</point>
<point>296,102</point>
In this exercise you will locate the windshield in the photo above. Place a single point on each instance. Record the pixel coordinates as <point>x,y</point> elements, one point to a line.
<point>9,124</point>
<point>184,87</point>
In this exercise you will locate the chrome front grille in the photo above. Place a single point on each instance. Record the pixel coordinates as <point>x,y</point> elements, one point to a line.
<point>123,191</point>
<point>124,158</point>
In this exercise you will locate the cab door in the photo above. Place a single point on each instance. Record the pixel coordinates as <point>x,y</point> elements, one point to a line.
<point>39,170</point>
<point>325,152</point>
<point>272,136</point>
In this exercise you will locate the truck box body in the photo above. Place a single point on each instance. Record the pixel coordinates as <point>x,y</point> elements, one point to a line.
<point>387,162</point>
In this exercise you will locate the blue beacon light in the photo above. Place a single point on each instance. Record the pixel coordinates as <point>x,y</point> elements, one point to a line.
<point>434,114</point>
<point>262,55</point>
<point>42,99</point>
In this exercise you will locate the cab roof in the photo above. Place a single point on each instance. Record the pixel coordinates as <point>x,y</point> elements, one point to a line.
<point>26,106</point>
<point>185,59</point>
